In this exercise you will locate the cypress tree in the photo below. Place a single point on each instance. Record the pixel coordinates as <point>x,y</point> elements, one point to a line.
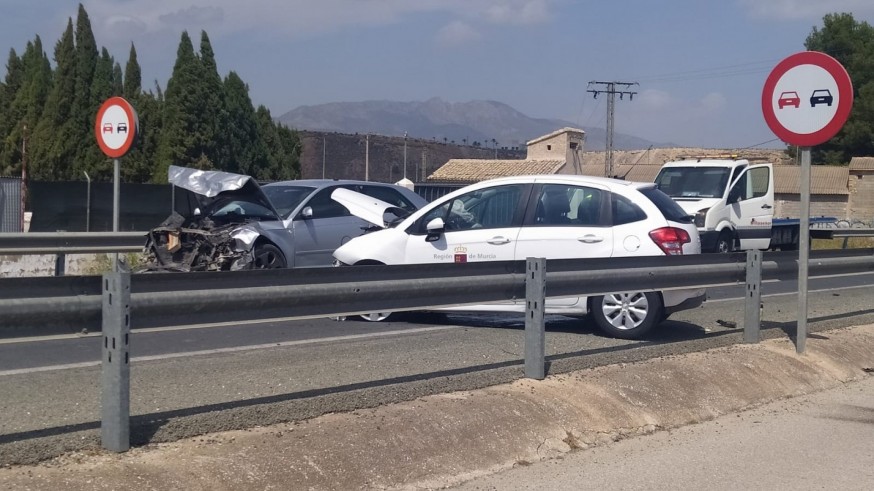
<point>26,104</point>
<point>213,131</point>
<point>9,88</point>
<point>180,113</point>
<point>56,136</point>
<point>246,152</point>
<point>117,81</point>
<point>86,100</point>
<point>91,158</point>
<point>132,76</point>
<point>283,148</point>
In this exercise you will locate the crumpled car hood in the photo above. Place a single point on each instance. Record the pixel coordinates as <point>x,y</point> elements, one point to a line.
<point>203,242</point>
<point>214,187</point>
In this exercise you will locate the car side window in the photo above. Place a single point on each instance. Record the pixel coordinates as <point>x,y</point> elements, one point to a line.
<point>325,207</point>
<point>485,208</point>
<point>564,205</point>
<point>625,211</point>
<point>752,184</point>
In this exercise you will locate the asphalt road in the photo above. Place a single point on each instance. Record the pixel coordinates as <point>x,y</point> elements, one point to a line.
<point>263,373</point>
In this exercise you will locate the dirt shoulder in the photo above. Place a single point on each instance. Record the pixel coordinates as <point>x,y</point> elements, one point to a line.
<point>443,440</point>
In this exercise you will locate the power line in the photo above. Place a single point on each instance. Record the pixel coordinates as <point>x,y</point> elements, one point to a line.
<point>610,90</point>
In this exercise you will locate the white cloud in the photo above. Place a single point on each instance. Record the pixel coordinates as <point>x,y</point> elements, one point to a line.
<point>456,33</point>
<point>307,17</point>
<point>655,99</point>
<point>713,102</point>
<point>804,9</point>
<point>519,12</point>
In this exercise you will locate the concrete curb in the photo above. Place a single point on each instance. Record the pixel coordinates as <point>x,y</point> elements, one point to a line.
<point>441,440</point>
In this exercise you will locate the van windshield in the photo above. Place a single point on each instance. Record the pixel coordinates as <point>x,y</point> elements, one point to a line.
<point>693,182</point>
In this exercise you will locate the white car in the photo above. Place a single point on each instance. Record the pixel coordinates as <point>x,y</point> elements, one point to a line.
<point>551,216</point>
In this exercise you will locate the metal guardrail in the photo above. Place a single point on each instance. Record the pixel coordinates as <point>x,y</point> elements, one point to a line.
<point>70,242</point>
<point>112,300</point>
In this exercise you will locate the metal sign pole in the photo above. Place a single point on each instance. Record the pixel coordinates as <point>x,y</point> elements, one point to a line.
<point>116,173</point>
<point>803,250</point>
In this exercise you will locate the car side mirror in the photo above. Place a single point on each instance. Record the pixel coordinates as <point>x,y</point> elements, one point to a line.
<point>197,212</point>
<point>435,229</point>
<point>307,212</point>
<point>733,196</point>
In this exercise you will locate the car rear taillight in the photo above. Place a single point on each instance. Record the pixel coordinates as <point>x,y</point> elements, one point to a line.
<point>670,240</point>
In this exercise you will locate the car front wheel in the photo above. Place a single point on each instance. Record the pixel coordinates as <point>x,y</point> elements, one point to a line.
<point>268,256</point>
<point>725,242</point>
<point>629,315</point>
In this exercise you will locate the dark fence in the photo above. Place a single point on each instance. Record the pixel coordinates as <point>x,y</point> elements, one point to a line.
<point>10,204</point>
<point>78,207</point>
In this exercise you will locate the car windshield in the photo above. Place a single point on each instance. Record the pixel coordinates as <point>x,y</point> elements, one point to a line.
<point>693,182</point>
<point>286,198</point>
<point>236,210</point>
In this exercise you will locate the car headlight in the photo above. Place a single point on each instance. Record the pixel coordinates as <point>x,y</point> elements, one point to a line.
<point>701,217</point>
<point>245,238</point>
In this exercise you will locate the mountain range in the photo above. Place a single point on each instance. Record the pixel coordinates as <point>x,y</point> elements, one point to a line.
<point>460,122</point>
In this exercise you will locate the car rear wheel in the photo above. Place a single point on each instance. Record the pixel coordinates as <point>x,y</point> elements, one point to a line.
<point>268,256</point>
<point>629,315</point>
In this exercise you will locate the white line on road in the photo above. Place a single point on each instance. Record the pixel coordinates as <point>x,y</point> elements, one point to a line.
<point>823,290</point>
<point>233,349</point>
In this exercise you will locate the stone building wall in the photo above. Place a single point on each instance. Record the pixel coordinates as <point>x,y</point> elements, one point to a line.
<point>789,206</point>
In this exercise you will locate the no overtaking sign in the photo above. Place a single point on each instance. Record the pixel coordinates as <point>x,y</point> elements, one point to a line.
<point>116,127</point>
<point>807,98</point>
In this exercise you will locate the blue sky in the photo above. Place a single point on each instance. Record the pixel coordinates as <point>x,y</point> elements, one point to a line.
<point>701,64</point>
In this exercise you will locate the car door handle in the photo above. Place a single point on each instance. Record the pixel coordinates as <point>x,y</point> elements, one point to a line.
<point>590,239</point>
<point>498,240</point>
<point>766,206</point>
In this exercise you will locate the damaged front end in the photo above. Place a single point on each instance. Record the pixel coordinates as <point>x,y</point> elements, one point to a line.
<point>178,245</point>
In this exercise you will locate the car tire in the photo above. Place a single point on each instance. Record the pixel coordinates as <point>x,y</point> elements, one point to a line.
<point>268,256</point>
<point>725,242</point>
<point>373,316</point>
<point>629,315</point>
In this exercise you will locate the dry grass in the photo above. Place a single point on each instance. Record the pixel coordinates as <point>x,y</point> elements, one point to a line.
<point>844,243</point>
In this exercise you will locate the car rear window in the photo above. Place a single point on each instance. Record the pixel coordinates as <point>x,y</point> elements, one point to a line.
<point>669,208</point>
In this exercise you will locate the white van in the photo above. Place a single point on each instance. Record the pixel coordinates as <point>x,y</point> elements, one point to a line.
<point>732,201</point>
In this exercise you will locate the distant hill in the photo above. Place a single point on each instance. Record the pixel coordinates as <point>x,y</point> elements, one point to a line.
<point>438,120</point>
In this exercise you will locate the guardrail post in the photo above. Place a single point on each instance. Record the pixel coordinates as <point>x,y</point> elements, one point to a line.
<point>115,407</point>
<point>535,328</point>
<point>752,305</point>
<point>60,264</point>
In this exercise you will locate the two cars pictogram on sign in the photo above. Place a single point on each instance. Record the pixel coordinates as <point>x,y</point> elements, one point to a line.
<point>819,96</point>
<point>120,128</point>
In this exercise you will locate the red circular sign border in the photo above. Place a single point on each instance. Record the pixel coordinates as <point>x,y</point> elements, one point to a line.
<point>131,113</point>
<point>845,99</point>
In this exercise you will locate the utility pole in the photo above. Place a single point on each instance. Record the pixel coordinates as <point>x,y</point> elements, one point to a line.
<point>367,157</point>
<point>424,167</point>
<point>609,88</point>
<point>323,157</point>
<point>23,174</point>
<point>405,155</point>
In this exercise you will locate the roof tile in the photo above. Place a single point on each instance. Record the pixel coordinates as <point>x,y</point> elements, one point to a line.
<point>475,170</point>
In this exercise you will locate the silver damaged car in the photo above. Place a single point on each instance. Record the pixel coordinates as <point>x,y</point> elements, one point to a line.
<point>236,224</point>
